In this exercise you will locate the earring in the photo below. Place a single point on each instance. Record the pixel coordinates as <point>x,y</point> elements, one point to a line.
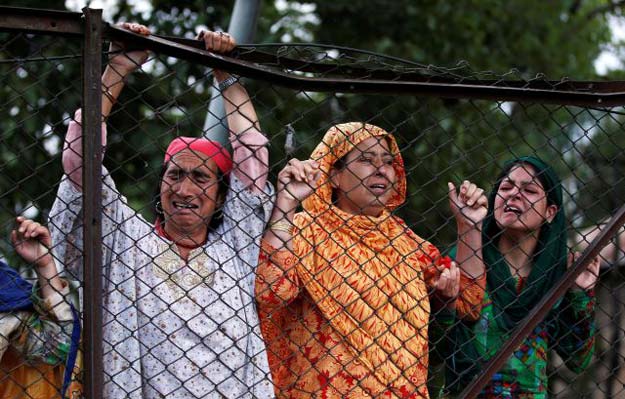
<point>158,207</point>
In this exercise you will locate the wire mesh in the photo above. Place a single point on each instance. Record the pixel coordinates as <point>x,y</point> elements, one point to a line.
<point>332,305</point>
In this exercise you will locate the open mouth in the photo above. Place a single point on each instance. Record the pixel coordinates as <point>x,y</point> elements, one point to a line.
<point>512,209</point>
<point>378,188</point>
<point>184,205</point>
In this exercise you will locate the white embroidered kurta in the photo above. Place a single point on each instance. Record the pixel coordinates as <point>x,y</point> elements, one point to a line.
<point>174,329</point>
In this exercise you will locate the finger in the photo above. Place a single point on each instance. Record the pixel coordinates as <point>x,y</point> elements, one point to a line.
<point>292,173</point>
<point>595,265</point>
<point>444,281</point>
<point>298,168</point>
<point>453,195</point>
<point>285,174</point>
<point>313,164</point>
<point>23,226</point>
<point>469,191</point>
<point>200,35</point>
<point>310,169</point>
<point>482,201</point>
<point>477,194</point>
<point>215,41</point>
<point>144,30</point>
<point>228,42</point>
<point>41,231</point>
<point>31,232</point>
<point>223,42</point>
<point>462,190</point>
<point>455,276</point>
<point>316,177</point>
<point>137,28</point>
<point>208,40</point>
<point>14,237</point>
<point>576,256</point>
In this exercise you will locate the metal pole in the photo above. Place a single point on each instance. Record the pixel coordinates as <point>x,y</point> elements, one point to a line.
<point>92,197</point>
<point>242,27</point>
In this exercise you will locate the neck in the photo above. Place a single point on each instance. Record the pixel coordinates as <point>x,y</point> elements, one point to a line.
<point>518,252</point>
<point>349,207</point>
<point>183,239</point>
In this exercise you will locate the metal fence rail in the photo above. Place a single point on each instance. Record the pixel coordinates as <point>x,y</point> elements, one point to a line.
<point>149,329</point>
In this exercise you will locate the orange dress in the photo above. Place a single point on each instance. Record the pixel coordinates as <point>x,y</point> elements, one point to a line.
<point>345,315</point>
<point>19,380</point>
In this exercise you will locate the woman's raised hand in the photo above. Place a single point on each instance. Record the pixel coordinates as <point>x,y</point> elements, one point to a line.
<point>588,278</point>
<point>468,204</point>
<point>126,62</point>
<point>298,180</point>
<point>448,282</point>
<point>32,241</point>
<point>217,42</point>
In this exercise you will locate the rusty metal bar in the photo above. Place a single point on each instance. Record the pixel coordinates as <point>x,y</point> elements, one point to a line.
<point>30,20</point>
<point>538,313</point>
<point>332,85</point>
<point>92,205</point>
<point>414,72</point>
<point>346,79</point>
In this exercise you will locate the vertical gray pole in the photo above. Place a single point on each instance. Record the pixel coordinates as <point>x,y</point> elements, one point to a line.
<point>92,200</point>
<point>242,27</point>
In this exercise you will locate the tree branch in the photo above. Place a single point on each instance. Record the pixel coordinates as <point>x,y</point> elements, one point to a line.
<point>613,5</point>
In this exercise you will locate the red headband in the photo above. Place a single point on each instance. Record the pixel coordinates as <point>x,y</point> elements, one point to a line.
<point>212,149</point>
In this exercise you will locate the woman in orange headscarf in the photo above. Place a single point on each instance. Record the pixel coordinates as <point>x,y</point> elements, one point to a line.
<point>343,287</point>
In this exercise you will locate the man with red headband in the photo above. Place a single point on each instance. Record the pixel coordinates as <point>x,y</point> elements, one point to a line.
<point>179,317</point>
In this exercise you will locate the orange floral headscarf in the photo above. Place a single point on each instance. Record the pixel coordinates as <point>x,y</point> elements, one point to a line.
<point>337,142</point>
<point>367,274</point>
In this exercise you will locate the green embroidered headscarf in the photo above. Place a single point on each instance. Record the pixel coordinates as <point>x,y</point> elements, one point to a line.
<point>549,264</point>
<point>549,259</point>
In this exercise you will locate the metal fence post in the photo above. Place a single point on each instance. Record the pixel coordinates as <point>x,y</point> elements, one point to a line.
<point>92,193</point>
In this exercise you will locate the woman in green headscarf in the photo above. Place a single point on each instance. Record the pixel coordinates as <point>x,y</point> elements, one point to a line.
<point>525,253</point>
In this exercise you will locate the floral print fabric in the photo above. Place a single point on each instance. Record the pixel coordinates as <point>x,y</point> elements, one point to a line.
<point>345,315</point>
<point>524,376</point>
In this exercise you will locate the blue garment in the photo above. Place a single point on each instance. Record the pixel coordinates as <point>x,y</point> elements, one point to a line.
<point>14,290</point>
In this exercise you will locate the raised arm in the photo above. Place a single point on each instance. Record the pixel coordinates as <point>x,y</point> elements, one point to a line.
<point>251,156</point>
<point>49,332</point>
<point>120,65</point>
<point>277,282</point>
<point>32,242</point>
<point>469,206</point>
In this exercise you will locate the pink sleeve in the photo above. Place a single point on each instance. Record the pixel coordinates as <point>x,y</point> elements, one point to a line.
<point>72,149</point>
<point>251,159</point>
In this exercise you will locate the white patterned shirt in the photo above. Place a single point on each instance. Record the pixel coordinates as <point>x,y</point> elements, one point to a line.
<point>175,329</point>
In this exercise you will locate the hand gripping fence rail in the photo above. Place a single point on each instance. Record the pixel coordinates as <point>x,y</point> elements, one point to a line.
<point>327,304</point>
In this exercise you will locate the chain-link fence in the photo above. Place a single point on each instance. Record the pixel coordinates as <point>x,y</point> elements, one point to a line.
<point>190,284</point>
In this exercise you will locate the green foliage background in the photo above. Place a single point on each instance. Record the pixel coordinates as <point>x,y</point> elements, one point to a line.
<point>442,140</point>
